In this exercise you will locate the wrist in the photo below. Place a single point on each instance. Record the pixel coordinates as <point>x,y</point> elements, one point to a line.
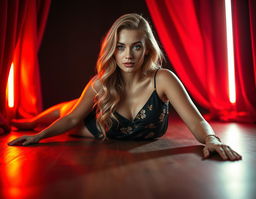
<point>41,135</point>
<point>211,138</point>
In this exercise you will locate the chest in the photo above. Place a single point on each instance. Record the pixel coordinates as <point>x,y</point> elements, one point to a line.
<point>133,103</point>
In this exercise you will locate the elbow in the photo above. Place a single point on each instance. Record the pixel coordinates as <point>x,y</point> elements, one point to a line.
<point>72,121</point>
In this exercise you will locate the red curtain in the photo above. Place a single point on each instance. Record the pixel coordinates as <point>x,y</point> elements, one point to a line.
<point>22,23</point>
<point>244,27</point>
<point>193,35</point>
<point>11,20</point>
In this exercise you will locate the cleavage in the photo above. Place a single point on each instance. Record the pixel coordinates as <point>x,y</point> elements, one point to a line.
<point>130,109</point>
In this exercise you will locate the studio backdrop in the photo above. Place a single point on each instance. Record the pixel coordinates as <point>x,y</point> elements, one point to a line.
<point>22,24</point>
<point>193,35</point>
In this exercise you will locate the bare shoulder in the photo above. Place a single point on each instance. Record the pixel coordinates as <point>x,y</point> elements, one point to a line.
<point>164,74</point>
<point>166,79</point>
<point>171,86</point>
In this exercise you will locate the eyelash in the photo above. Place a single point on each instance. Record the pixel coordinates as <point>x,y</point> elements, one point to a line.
<point>136,47</point>
<point>120,47</point>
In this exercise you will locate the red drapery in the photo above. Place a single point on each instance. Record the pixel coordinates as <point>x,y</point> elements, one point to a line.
<point>11,20</point>
<point>244,27</point>
<point>193,35</point>
<point>22,24</point>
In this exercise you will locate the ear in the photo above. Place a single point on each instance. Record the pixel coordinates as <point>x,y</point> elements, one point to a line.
<point>147,51</point>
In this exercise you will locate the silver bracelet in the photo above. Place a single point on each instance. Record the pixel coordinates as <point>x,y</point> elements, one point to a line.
<point>213,136</point>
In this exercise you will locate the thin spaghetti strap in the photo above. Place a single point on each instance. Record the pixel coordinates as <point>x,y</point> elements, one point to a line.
<point>155,79</point>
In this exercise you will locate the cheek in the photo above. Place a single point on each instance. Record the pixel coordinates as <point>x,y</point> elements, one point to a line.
<point>117,57</point>
<point>141,55</point>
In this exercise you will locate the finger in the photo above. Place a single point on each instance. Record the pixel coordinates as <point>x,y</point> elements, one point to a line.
<point>237,155</point>
<point>222,153</point>
<point>229,152</point>
<point>206,152</point>
<point>13,142</point>
<point>17,141</point>
<point>27,142</point>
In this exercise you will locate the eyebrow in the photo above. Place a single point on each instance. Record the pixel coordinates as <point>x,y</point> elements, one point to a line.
<point>137,42</point>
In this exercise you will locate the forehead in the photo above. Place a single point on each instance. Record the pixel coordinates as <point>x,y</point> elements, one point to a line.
<point>127,36</point>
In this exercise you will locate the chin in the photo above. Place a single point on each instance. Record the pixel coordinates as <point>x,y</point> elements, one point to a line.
<point>129,69</point>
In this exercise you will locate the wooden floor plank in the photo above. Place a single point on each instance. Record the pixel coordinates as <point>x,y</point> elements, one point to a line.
<point>170,167</point>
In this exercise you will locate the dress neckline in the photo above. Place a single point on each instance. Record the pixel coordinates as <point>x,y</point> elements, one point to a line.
<point>152,94</point>
<point>133,119</point>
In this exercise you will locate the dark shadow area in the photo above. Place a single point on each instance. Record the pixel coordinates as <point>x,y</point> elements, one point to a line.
<point>71,43</point>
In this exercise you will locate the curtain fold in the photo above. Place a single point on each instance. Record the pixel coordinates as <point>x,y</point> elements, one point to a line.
<point>21,49</point>
<point>244,23</point>
<point>11,21</point>
<point>193,34</point>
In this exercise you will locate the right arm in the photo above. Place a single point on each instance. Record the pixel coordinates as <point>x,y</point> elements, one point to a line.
<point>78,113</point>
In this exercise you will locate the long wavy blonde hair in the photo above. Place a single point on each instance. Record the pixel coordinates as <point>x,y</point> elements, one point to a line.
<point>112,84</point>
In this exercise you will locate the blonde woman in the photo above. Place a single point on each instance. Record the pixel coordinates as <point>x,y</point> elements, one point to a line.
<point>128,99</point>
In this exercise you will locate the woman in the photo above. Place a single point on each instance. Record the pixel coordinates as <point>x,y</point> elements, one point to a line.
<point>129,97</point>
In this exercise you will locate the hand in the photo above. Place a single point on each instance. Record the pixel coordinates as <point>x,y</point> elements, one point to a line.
<point>223,150</point>
<point>25,140</point>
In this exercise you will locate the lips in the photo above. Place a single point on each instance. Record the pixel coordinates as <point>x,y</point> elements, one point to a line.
<point>128,64</point>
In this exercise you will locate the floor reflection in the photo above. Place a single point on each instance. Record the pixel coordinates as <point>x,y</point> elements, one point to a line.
<point>234,137</point>
<point>236,175</point>
<point>16,172</point>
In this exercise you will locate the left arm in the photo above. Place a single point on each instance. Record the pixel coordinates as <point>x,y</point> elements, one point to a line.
<point>173,89</point>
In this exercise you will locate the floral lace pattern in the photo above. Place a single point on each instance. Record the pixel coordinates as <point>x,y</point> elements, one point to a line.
<point>127,130</point>
<point>141,114</point>
<point>162,115</point>
<point>150,107</point>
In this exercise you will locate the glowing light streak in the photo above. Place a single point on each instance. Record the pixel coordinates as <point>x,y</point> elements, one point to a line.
<point>230,49</point>
<point>10,87</point>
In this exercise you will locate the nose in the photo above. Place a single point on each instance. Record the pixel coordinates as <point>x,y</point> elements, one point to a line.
<point>128,54</point>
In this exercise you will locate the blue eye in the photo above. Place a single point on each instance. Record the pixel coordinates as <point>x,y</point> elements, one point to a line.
<point>137,47</point>
<point>120,47</point>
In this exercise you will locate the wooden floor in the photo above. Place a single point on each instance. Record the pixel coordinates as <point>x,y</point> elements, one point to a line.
<point>170,167</point>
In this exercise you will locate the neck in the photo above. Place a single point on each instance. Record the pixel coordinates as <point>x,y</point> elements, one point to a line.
<point>132,79</point>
